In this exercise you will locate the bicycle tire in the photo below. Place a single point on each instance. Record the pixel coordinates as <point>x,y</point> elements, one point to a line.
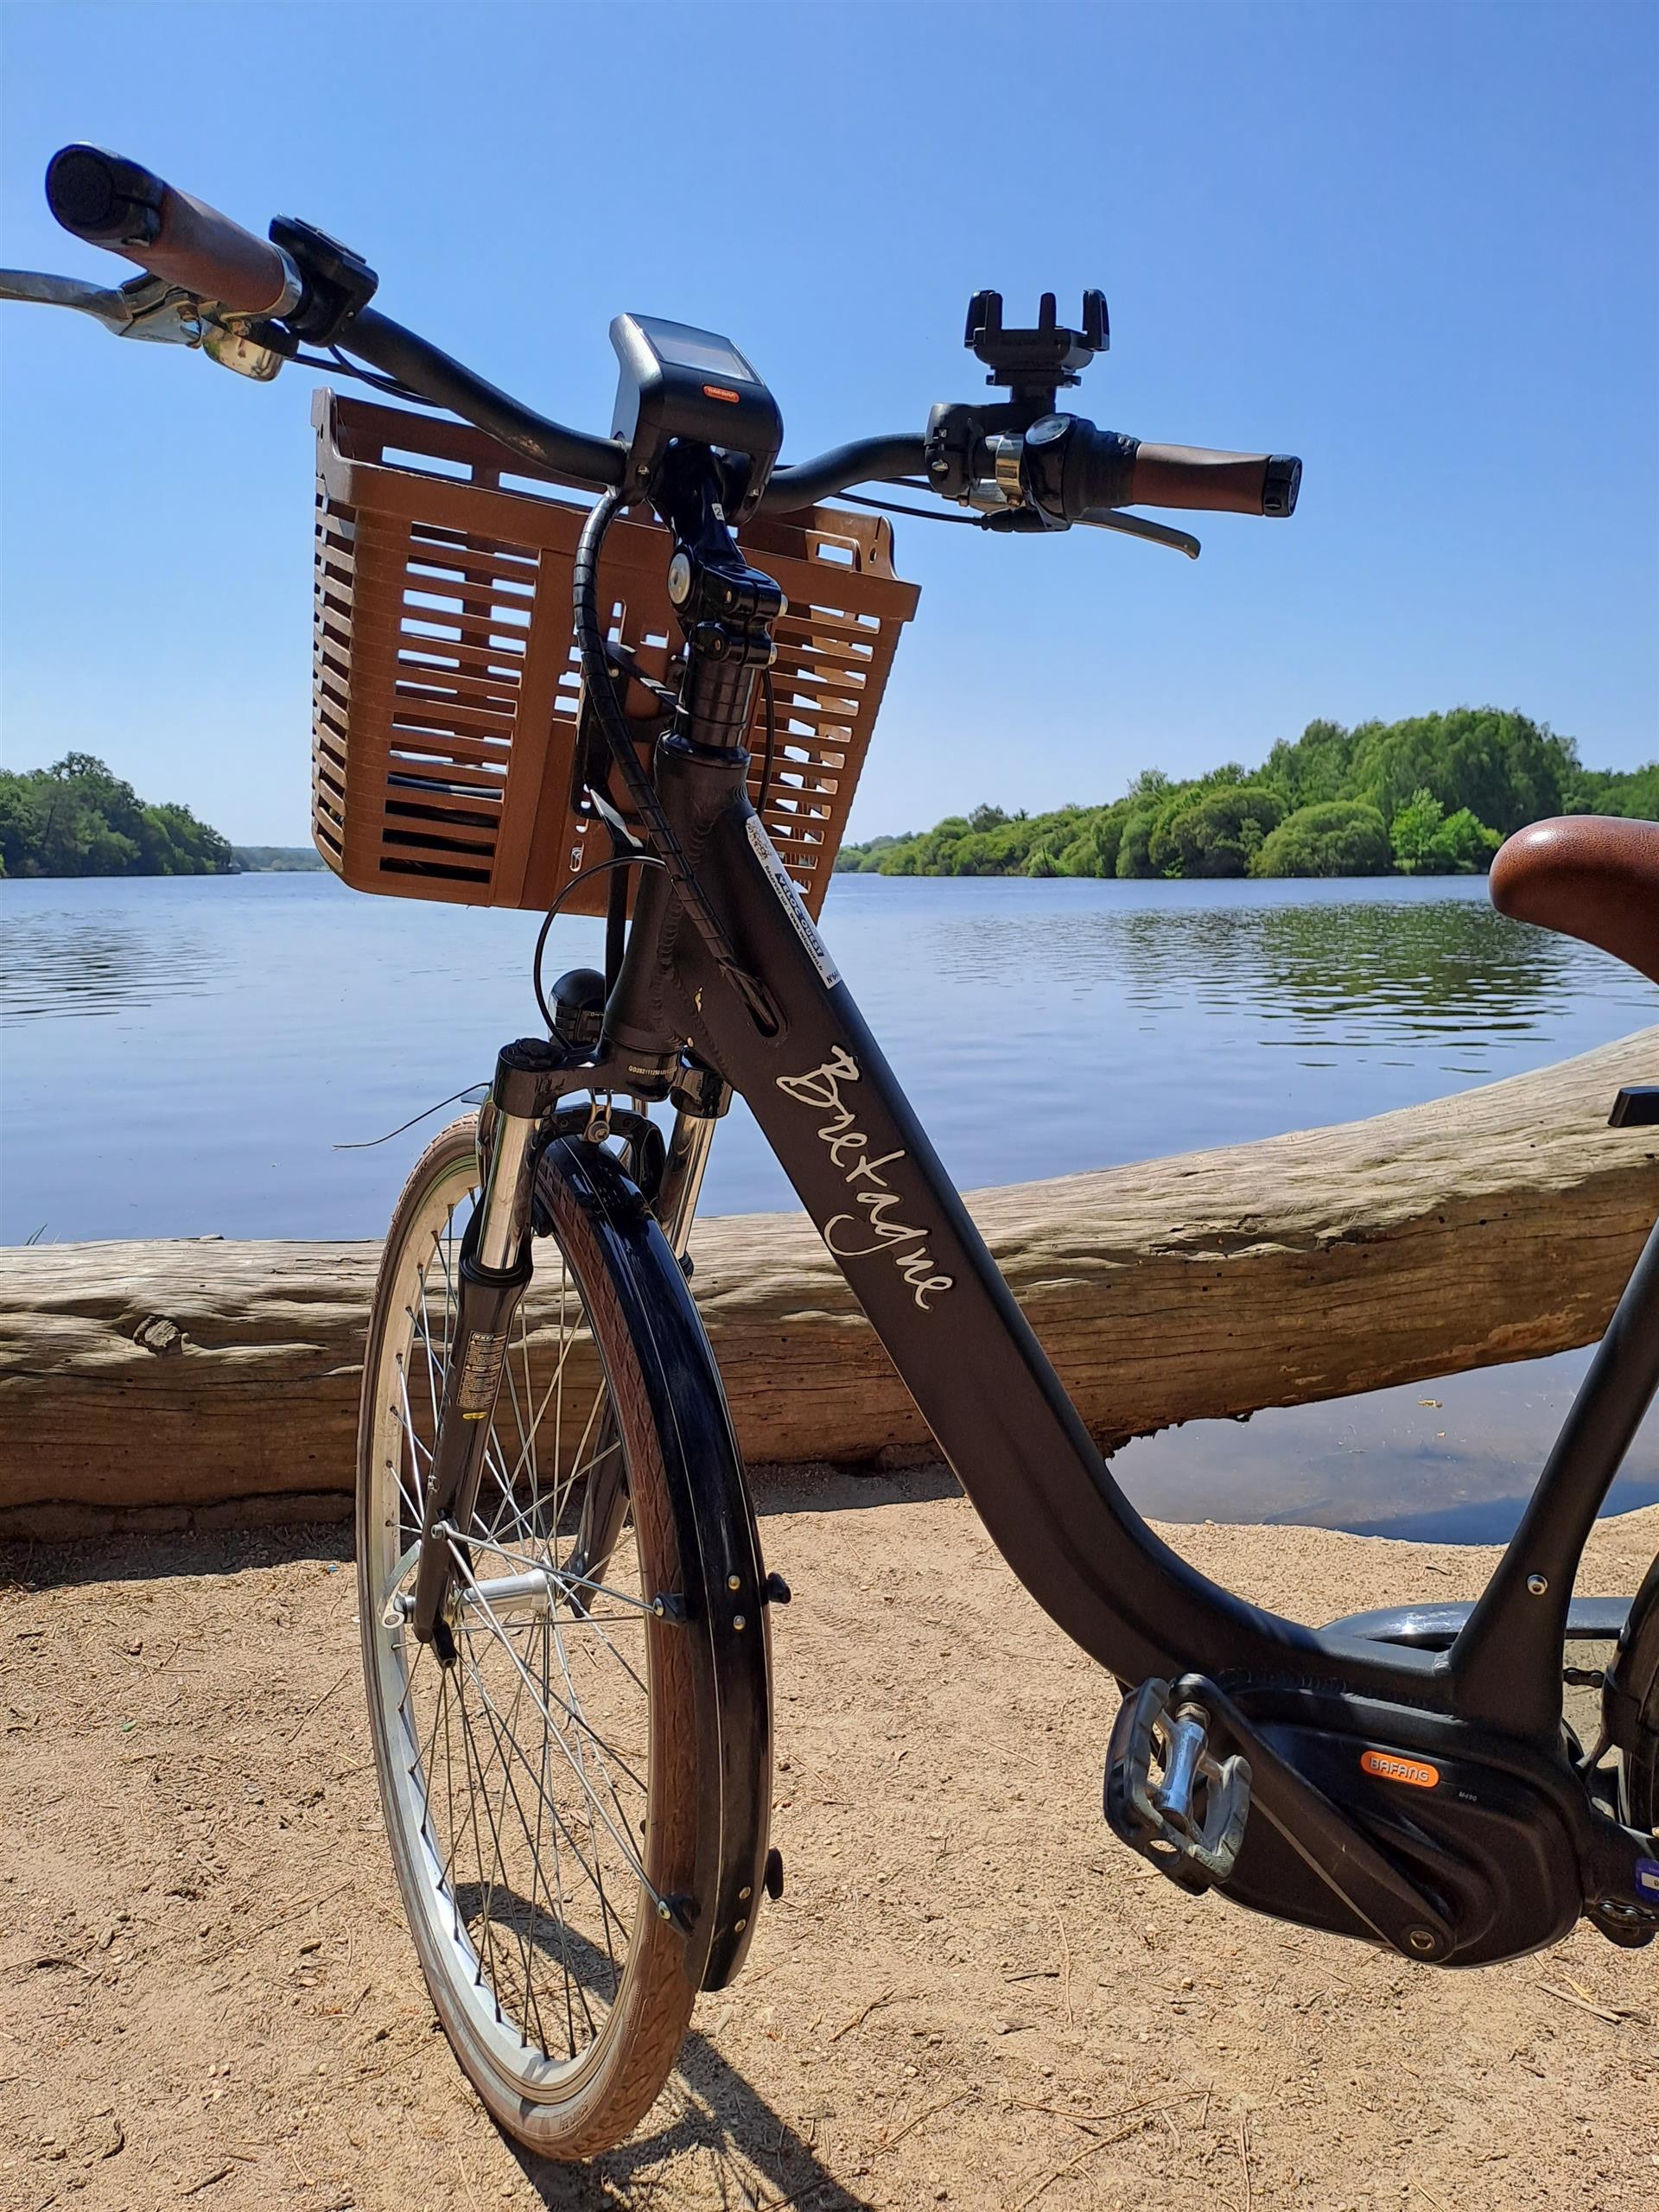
<point>483,1944</point>
<point>1631,1708</point>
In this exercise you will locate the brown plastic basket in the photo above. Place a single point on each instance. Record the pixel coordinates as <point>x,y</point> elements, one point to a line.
<point>446,680</point>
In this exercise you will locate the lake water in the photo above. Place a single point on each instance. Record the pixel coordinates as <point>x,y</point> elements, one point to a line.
<point>181,1058</point>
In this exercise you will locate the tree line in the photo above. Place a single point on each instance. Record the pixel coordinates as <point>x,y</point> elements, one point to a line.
<point>1435,795</point>
<point>76,818</point>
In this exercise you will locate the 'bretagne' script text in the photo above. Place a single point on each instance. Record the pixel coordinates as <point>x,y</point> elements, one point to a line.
<point>845,1235</point>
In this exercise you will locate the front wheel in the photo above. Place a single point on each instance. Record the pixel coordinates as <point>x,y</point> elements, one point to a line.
<point>541,1794</point>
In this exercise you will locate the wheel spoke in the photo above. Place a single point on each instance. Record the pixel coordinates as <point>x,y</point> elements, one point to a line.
<point>571,1711</point>
<point>507,1741</point>
<point>521,1768</point>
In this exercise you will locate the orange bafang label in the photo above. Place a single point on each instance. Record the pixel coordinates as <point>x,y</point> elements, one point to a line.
<point>1392,1768</point>
<point>719,391</point>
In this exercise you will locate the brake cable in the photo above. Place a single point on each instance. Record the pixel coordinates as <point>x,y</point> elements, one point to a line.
<point>771,740</point>
<point>334,363</point>
<point>921,514</point>
<point>599,867</point>
<point>590,637</point>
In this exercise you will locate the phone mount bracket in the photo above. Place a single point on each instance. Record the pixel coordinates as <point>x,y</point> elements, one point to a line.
<point>1034,365</point>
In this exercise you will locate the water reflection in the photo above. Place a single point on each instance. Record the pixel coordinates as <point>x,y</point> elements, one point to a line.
<point>247,1023</point>
<point>61,965</point>
<point>1360,978</point>
<point>1366,977</point>
<point>1450,1461</point>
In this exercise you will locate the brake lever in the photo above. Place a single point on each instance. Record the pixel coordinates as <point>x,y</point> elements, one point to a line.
<point>1155,533</point>
<point>147,308</point>
<point>151,310</point>
<point>1028,521</point>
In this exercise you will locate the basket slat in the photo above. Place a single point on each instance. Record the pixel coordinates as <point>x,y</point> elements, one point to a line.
<point>446,680</point>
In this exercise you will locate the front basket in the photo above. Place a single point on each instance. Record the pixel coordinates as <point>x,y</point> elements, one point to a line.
<point>447,679</point>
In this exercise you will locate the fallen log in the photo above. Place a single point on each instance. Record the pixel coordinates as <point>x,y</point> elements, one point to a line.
<point>205,1376</point>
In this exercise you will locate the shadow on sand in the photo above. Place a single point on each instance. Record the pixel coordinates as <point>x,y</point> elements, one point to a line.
<point>751,2157</point>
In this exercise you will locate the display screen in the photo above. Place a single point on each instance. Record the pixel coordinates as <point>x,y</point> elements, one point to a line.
<point>682,347</point>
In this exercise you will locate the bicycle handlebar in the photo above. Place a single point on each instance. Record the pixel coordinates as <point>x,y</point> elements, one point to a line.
<point>865,461</point>
<point>1106,470</point>
<point>575,456</point>
<point>119,205</point>
<point>1225,483</point>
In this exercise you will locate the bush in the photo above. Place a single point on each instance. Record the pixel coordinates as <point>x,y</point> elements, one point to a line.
<point>1133,858</point>
<point>1428,841</point>
<point>1341,837</point>
<point>1630,792</point>
<point>1093,850</point>
<point>1214,833</point>
<point>1463,845</point>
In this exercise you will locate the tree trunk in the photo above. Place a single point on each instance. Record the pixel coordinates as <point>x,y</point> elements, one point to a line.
<point>1496,1225</point>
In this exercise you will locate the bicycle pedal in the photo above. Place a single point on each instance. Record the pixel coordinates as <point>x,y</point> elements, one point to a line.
<point>1167,1797</point>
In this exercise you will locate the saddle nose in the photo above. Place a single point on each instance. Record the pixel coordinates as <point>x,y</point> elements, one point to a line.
<point>1591,876</point>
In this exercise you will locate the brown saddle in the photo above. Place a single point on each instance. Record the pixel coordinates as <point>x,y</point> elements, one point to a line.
<point>1590,876</point>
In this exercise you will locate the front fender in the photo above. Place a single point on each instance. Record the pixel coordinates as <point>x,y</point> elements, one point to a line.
<point>720,1551</point>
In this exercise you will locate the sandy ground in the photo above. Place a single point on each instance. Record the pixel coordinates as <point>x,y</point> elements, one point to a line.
<point>969,1996</point>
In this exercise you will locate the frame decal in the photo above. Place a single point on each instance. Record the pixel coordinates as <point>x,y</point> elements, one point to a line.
<point>1393,1768</point>
<point>782,882</point>
<point>845,1236</point>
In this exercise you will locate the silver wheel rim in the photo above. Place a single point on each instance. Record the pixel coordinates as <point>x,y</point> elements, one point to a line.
<point>517,1782</point>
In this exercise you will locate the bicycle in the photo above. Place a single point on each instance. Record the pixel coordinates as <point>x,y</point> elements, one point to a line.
<point>565,1611</point>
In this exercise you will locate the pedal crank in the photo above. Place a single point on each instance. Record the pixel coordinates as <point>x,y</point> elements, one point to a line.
<point>1167,1797</point>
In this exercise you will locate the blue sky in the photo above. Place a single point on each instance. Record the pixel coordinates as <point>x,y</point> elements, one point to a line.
<point>1417,244</point>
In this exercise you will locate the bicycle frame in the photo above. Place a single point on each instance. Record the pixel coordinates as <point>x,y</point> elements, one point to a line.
<point>1333,1731</point>
<point>890,1216</point>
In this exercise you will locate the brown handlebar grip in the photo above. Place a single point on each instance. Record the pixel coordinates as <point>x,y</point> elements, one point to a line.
<point>1223,483</point>
<point>124,207</point>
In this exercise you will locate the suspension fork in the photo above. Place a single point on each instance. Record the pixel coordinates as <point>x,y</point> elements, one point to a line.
<point>701,1097</point>
<point>493,1270</point>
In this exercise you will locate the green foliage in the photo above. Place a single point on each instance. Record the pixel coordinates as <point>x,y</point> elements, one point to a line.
<point>1335,836</point>
<point>866,860</point>
<point>1464,845</point>
<point>1633,792</point>
<point>276,860</point>
<point>1426,840</point>
<point>1413,831</point>
<point>1436,794</point>
<point>1506,769</point>
<point>1092,849</point>
<point>1135,846</point>
<point>77,818</point>
<point>1314,767</point>
<point>1213,832</point>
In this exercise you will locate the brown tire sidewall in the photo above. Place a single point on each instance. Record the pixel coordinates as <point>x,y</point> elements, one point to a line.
<point>635,2051</point>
